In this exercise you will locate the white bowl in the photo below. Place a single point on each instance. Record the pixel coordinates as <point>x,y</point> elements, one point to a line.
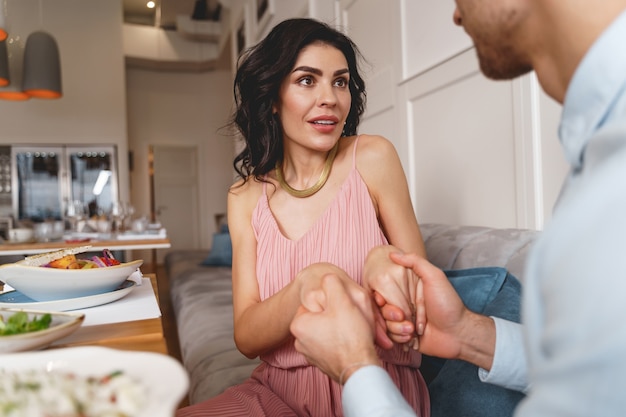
<point>62,325</point>
<point>21,235</point>
<point>47,284</point>
<point>165,379</point>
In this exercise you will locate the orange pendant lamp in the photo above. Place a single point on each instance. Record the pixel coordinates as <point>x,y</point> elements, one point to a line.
<point>28,70</point>
<point>4,64</point>
<point>13,89</point>
<point>3,30</point>
<point>42,67</point>
<point>4,55</point>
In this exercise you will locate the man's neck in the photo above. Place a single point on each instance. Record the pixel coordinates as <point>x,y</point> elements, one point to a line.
<point>566,33</point>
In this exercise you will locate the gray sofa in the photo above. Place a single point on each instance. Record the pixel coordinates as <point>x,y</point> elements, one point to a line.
<point>201,297</point>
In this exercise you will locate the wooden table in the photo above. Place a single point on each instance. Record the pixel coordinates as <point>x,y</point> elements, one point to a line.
<point>96,245</point>
<point>140,335</point>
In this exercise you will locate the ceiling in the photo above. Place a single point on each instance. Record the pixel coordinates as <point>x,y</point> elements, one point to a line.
<point>163,15</point>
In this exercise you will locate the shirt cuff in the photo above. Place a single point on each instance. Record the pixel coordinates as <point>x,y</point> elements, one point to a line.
<point>371,392</point>
<point>509,368</point>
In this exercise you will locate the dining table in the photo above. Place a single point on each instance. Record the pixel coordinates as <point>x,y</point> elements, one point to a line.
<point>131,323</point>
<point>112,243</point>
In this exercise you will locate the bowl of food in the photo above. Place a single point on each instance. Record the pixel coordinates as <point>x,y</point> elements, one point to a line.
<point>61,274</point>
<point>23,330</point>
<point>92,380</point>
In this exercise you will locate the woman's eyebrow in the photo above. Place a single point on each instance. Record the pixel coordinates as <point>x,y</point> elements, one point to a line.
<point>317,71</point>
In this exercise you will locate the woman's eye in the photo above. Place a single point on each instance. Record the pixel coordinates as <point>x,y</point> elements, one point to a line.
<point>305,81</point>
<point>341,82</point>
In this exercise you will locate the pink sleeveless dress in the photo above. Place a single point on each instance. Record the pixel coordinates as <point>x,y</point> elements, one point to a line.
<point>285,384</point>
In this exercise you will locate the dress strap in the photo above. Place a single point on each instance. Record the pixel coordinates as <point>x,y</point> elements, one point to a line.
<point>356,141</point>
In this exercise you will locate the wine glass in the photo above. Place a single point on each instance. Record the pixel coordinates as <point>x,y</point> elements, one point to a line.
<point>75,211</point>
<point>129,210</point>
<point>117,216</point>
<point>121,212</point>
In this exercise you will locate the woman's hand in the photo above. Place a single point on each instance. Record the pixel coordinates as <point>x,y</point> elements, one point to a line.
<point>398,292</point>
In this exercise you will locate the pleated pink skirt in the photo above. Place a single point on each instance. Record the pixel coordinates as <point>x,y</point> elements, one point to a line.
<point>296,392</point>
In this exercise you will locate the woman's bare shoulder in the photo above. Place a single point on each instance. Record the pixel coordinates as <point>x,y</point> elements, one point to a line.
<point>245,194</point>
<point>374,148</point>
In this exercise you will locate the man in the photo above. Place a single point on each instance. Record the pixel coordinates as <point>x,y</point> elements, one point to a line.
<point>573,301</point>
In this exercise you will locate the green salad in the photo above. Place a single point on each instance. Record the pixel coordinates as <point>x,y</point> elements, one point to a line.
<point>20,323</point>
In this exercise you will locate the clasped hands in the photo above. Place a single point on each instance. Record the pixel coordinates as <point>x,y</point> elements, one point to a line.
<point>404,299</point>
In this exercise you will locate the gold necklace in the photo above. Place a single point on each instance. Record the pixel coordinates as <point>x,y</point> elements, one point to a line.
<point>317,186</point>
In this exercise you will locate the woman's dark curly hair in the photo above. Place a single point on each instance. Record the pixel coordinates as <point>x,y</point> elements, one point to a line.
<point>260,73</point>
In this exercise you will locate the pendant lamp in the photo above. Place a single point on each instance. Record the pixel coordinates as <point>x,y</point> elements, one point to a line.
<point>15,52</point>
<point>4,55</point>
<point>3,28</point>
<point>4,64</point>
<point>42,67</point>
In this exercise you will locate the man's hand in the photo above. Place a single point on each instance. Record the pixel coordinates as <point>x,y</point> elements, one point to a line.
<point>310,279</point>
<point>332,331</point>
<point>452,331</point>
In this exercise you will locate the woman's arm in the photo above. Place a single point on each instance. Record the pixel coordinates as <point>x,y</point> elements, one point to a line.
<point>380,167</point>
<point>393,284</point>
<point>258,326</point>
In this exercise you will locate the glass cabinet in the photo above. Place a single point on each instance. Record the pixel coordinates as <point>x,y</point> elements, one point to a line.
<point>47,178</point>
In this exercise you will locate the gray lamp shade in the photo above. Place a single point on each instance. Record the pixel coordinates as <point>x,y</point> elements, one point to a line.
<point>42,67</point>
<point>4,64</point>
<point>15,52</point>
<point>3,26</point>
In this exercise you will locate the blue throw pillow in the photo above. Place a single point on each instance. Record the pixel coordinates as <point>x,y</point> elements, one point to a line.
<point>221,253</point>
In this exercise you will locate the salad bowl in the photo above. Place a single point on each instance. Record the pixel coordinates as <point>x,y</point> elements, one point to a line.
<point>61,325</point>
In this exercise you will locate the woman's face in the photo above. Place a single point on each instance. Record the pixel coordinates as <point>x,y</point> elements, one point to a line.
<point>314,99</point>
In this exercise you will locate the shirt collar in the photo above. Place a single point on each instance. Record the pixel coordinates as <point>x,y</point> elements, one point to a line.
<point>595,85</point>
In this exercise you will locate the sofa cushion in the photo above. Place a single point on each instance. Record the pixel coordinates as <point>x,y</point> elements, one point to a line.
<point>460,247</point>
<point>202,301</point>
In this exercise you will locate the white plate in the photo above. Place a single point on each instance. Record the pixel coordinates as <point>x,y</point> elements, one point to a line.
<point>15,299</point>
<point>62,324</point>
<point>165,378</point>
<point>47,284</point>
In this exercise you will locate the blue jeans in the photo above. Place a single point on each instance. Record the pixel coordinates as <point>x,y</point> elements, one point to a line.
<point>454,387</point>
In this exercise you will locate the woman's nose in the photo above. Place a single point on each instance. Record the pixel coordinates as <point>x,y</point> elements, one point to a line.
<point>327,96</point>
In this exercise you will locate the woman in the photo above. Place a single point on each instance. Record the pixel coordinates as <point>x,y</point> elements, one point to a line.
<point>314,197</point>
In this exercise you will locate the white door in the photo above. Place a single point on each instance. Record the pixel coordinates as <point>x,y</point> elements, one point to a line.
<point>175,191</point>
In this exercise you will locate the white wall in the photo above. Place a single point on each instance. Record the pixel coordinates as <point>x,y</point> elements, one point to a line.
<point>169,108</point>
<point>475,151</point>
<point>93,107</point>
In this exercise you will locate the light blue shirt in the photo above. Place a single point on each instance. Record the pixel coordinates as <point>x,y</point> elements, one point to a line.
<point>574,303</point>
<point>574,298</point>
<point>371,392</point>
